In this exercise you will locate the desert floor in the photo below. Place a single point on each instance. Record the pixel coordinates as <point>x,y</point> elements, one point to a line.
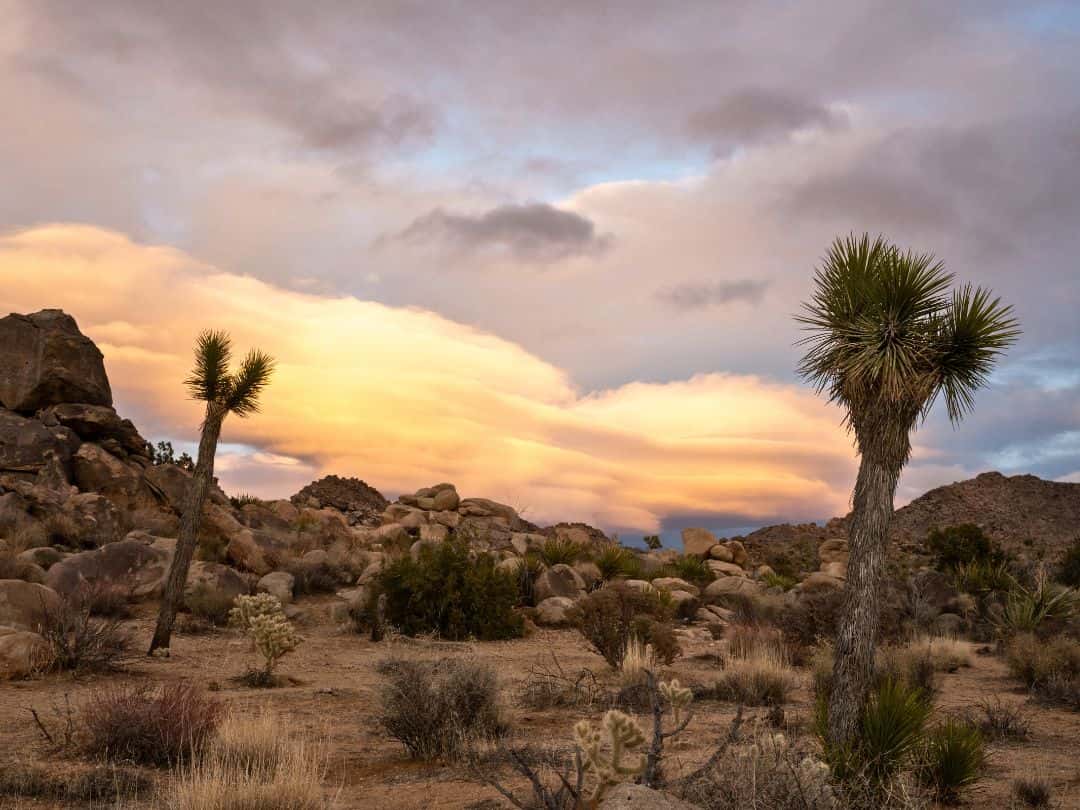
<point>333,694</point>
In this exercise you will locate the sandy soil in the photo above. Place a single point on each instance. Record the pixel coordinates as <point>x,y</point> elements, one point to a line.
<point>333,700</point>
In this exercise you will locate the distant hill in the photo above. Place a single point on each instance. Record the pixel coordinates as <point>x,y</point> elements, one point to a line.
<point>1024,514</point>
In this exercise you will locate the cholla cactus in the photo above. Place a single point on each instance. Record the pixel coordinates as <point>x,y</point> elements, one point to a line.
<point>246,608</point>
<point>263,619</point>
<point>678,696</point>
<point>622,734</point>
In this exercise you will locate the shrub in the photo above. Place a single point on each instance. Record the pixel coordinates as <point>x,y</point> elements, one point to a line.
<point>746,639</point>
<point>1033,791</point>
<point>148,726</point>
<point>320,577</point>
<point>952,759</point>
<point>77,641</point>
<point>811,618</point>
<point>983,576</point>
<point>953,546</point>
<point>530,567</point>
<point>209,604</point>
<point>763,678</point>
<point>692,569</point>
<point>1069,571</point>
<point>781,581</point>
<point>997,720</point>
<point>449,592</point>
<point>556,551</point>
<point>1028,609</point>
<point>637,660</point>
<point>936,653</point>
<point>252,765</point>
<point>244,499</point>
<point>272,634</point>
<point>614,561</point>
<point>1036,661</point>
<point>438,708</point>
<point>95,783</point>
<point>105,599</point>
<point>607,618</point>
<point>62,530</point>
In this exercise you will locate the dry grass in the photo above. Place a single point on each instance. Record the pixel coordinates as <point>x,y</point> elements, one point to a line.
<point>947,654</point>
<point>638,659</point>
<point>252,765</point>
<point>762,678</point>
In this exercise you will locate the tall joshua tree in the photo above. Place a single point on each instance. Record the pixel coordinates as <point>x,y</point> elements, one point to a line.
<point>886,337</point>
<point>223,392</point>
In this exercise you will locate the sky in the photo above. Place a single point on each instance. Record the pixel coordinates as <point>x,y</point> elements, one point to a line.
<point>548,252</point>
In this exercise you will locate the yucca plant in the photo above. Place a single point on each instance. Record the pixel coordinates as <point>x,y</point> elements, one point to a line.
<point>952,759</point>
<point>224,393</point>
<point>692,569</point>
<point>557,551</point>
<point>886,339</point>
<point>614,561</point>
<point>983,576</point>
<point>1027,608</point>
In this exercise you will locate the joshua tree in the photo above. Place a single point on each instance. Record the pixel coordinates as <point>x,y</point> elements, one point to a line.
<point>886,337</point>
<point>224,393</point>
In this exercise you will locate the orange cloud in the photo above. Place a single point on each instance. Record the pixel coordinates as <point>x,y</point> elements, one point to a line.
<point>404,397</point>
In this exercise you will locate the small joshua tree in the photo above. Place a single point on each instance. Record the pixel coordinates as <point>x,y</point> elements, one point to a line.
<point>272,634</point>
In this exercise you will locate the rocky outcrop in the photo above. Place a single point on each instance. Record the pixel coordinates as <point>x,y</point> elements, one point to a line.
<point>138,564</point>
<point>26,444</point>
<point>24,605</point>
<point>22,652</point>
<point>46,360</point>
<point>359,501</point>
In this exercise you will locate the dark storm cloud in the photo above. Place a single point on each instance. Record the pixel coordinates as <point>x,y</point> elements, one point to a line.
<point>755,114</point>
<point>535,232</point>
<point>694,295</point>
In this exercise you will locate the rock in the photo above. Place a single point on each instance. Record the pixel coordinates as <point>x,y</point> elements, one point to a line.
<point>44,557</point>
<point>414,519</point>
<point>360,502</point>
<point>46,361</point>
<point>675,584</point>
<point>445,499</point>
<point>95,470</point>
<point>139,564</point>
<point>22,653</point>
<point>559,580</point>
<point>419,546</point>
<point>278,584</point>
<point>638,585</point>
<point>285,511</point>
<point>639,797</point>
<point>763,571</point>
<point>589,573</point>
<point>391,534</point>
<point>54,475</point>
<point>26,443</point>
<point>215,577</point>
<point>728,585</point>
<point>833,551</point>
<point>818,581</point>
<point>96,519</point>
<point>316,557</point>
<point>738,552</point>
<point>698,542</point>
<point>684,598</point>
<point>524,542</point>
<point>256,550</point>
<point>551,612</point>
<point>96,423</point>
<point>721,553</point>
<point>23,605</point>
<point>723,569</point>
<point>156,521</point>
<point>434,532</point>
<point>835,569</point>
<point>482,507</point>
<point>449,519</point>
<point>355,598</point>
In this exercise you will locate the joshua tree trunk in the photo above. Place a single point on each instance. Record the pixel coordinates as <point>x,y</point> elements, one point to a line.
<point>189,529</point>
<point>868,535</point>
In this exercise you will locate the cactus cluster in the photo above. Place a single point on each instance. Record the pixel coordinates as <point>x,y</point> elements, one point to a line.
<point>678,696</point>
<point>604,750</point>
<point>263,619</point>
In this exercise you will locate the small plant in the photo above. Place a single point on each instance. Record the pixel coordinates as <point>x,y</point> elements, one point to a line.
<point>638,659</point>
<point>1033,791</point>
<point>762,678</point>
<point>165,454</point>
<point>556,551</point>
<point>979,577</point>
<point>997,720</point>
<point>1027,609</point>
<point>272,634</point>
<point>692,569</point>
<point>781,581</point>
<point>438,708</point>
<point>77,641</point>
<point>313,578</point>
<point>615,561</point>
<point>147,726</point>
<point>1046,666</point>
<point>449,591</point>
<point>95,784</point>
<point>529,568</point>
<point>952,760</point>
<point>652,542</point>
<point>604,750</point>
<point>244,499</point>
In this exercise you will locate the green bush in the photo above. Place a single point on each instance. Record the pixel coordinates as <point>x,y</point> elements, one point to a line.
<point>556,551</point>
<point>691,569</point>
<point>530,568</point>
<point>446,590</point>
<point>781,581</point>
<point>952,759</point>
<point>1027,610</point>
<point>609,617</point>
<point>983,576</point>
<point>615,561</point>
<point>1069,573</point>
<point>953,546</point>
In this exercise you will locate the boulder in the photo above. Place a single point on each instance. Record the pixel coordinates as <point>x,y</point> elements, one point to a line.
<point>256,551</point>
<point>559,580</point>
<point>723,569</point>
<point>763,571</point>
<point>445,499</point>
<point>25,444</point>
<point>675,584</point>
<point>359,502</point>
<point>729,585</point>
<point>639,797</point>
<point>44,556</point>
<point>720,553</point>
<point>46,361</point>
<point>390,534</point>
<point>835,569</point>
<point>215,577</point>
<point>482,507</point>
<point>738,552</point>
<point>589,572</point>
<point>819,581</point>
<point>23,605</point>
<point>96,423</point>
<point>524,542</point>
<point>95,518</point>
<point>697,541</point>
<point>22,653</point>
<point>278,584</point>
<point>449,519</point>
<point>139,564</point>
<point>96,470</point>
<point>434,532</point>
<point>551,612</point>
<point>833,551</point>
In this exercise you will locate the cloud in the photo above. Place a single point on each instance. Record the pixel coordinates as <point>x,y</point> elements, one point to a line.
<point>694,295</point>
<point>534,232</point>
<point>754,114</point>
<point>403,397</point>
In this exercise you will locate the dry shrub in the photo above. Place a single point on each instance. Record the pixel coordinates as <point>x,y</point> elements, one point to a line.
<point>610,617</point>
<point>750,608</point>
<point>744,639</point>
<point>1033,791</point>
<point>997,720</point>
<point>812,618</point>
<point>762,678</point>
<point>94,783</point>
<point>550,686</point>
<point>62,530</point>
<point>209,605</point>
<point>106,599</point>
<point>252,765</point>
<point>892,665</point>
<point>1050,668</point>
<point>79,642</point>
<point>313,578</point>
<point>439,708</point>
<point>638,659</point>
<point>159,727</point>
<point>769,772</point>
<point>25,534</point>
<point>945,654</point>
